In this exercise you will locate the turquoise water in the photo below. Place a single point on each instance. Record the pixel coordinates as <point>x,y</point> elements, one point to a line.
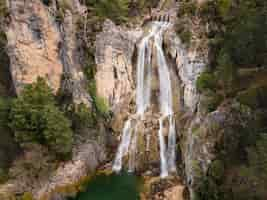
<point>113,187</point>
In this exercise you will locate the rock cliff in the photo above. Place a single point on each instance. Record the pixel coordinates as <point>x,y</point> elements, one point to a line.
<point>40,45</point>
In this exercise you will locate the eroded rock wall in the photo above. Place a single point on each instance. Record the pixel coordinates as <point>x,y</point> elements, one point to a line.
<point>41,45</point>
<point>115,48</point>
<point>33,42</point>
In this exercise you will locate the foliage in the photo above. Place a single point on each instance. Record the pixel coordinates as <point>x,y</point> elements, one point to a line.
<point>27,196</point>
<point>34,117</point>
<point>240,27</point>
<point>5,106</point>
<point>82,117</point>
<point>206,80</point>
<point>3,175</point>
<point>186,36</point>
<point>210,100</point>
<point>216,170</point>
<point>3,9</point>
<point>254,97</point>
<point>187,7</point>
<point>116,10</point>
<point>101,105</point>
<point>226,72</point>
<point>257,157</point>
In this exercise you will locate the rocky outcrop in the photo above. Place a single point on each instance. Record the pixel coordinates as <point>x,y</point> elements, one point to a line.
<point>115,48</point>
<point>204,138</point>
<point>44,179</point>
<point>33,42</point>
<point>41,46</point>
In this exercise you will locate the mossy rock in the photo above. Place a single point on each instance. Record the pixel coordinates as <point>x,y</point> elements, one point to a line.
<point>210,100</point>
<point>254,97</point>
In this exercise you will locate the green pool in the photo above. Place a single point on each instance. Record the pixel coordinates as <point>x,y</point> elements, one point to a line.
<point>113,187</point>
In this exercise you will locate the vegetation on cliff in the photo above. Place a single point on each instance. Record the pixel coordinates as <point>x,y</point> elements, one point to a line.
<point>237,74</point>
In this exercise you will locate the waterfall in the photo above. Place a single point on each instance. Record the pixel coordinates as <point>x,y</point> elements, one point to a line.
<point>163,160</point>
<point>124,146</point>
<point>144,79</point>
<point>143,95</point>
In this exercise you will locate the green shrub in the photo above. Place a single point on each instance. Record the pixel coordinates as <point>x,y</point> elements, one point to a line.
<point>27,196</point>
<point>101,106</point>
<point>3,176</point>
<point>188,8</point>
<point>209,100</point>
<point>254,97</point>
<point>205,81</point>
<point>116,10</point>
<point>186,36</point>
<point>34,117</point>
<point>224,7</point>
<point>82,117</point>
<point>226,72</point>
<point>216,170</point>
<point>3,9</point>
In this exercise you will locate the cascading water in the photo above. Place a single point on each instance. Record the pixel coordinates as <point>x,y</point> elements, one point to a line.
<point>143,97</point>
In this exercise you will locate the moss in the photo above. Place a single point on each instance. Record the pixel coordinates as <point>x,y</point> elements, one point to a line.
<point>224,7</point>
<point>216,170</point>
<point>188,8</point>
<point>101,105</point>
<point>186,36</point>
<point>3,9</point>
<point>3,175</point>
<point>197,168</point>
<point>27,196</point>
<point>205,81</point>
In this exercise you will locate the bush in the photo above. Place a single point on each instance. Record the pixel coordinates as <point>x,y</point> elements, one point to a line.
<point>254,97</point>
<point>27,196</point>
<point>34,117</point>
<point>187,8</point>
<point>205,81</point>
<point>226,72</point>
<point>3,176</point>
<point>209,100</point>
<point>101,105</point>
<point>116,10</point>
<point>82,117</point>
<point>186,36</point>
<point>216,170</point>
<point>3,9</point>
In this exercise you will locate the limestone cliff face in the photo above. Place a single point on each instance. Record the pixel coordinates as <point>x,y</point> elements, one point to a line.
<point>190,63</point>
<point>115,48</point>
<point>46,180</point>
<point>38,45</point>
<point>33,40</point>
<point>116,55</point>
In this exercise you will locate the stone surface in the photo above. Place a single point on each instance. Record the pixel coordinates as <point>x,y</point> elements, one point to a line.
<point>39,46</point>
<point>115,49</point>
<point>35,171</point>
<point>33,40</point>
<point>190,63</point>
